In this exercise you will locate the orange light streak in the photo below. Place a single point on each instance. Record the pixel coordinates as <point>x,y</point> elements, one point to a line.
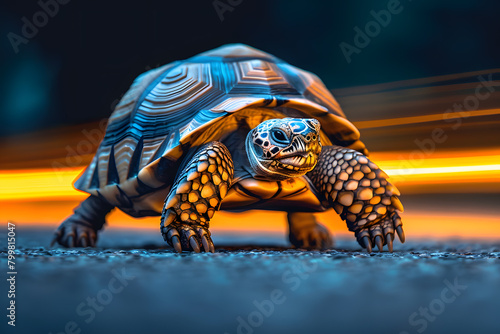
<point>422,119</point>
<point>49,214</point>
<point>41,184</point>
<point>51,184</point>
<point>45,197</point>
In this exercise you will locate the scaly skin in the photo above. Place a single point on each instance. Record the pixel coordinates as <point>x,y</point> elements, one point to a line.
<point>306,232</point>
<point>358,190</point>
<point>195,196</point>
<point>80,229</point>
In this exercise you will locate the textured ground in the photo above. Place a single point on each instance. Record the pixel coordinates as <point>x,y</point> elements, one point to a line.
<point>136,287</point>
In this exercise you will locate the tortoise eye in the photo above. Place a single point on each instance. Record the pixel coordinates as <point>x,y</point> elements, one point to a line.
<point>279,136</point>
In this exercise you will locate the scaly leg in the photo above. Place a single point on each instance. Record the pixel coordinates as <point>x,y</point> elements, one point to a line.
<point>195,196</point>
<point>80,229</point>
<point>306,232</point>
<point>358,190</point>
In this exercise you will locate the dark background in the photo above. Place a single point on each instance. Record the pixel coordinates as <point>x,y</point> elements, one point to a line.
<point>86,56</point>
<point>79,64</point>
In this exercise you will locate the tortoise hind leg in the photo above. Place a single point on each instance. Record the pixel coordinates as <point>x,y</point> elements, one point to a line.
<point>306,232</point>
<point>80,229</point>
<point>195,196</point>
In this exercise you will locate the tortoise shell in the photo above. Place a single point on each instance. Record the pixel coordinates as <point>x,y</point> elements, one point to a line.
<point>183,104</point>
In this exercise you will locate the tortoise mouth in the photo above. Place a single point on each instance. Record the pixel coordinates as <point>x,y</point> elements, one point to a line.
<point>297,164</point>
<point>303,160</point>
<point>300,155</point>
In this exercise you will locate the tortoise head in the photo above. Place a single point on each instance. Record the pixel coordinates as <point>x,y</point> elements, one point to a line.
<point>284,148</point>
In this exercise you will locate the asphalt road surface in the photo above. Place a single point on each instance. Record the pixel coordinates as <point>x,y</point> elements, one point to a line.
<point>133,284</point>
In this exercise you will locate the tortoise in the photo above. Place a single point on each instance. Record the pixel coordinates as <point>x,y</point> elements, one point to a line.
<point>233,129</point>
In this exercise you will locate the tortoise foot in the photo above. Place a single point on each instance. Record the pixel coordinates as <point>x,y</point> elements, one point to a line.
<point>381,233</point>
<point>305,232</point>
<point>74,234</point>
<point>312,237</point>
<point>184,237</point>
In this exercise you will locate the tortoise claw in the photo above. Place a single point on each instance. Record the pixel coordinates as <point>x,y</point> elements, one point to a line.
<point>194,245</point>
<point>379,243</point>
<point>176,243</point>
<point>206,240</point>
<point>367,244</point>
<point>205,244</point>
<point>401,234</point>
<point>388,237</point>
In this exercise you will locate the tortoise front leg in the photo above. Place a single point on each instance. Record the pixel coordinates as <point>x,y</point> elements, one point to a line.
<point>195,196</point>
<point>359,191</point>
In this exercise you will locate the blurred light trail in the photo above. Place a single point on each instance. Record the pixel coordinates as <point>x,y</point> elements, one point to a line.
<point>56,184</point>
<point>41,184</point>
<point>421,222</point>
<point>444,170</point>
<point>423,118</point>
